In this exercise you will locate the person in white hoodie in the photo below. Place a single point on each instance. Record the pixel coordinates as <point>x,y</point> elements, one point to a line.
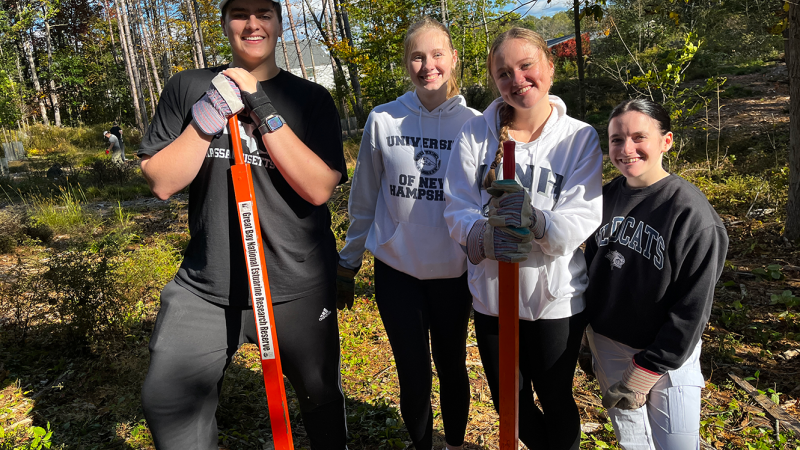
<point>540,219</point>
<point>396,212</point>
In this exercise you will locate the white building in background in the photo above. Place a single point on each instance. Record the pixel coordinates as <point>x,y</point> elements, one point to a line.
<point>322,70</point>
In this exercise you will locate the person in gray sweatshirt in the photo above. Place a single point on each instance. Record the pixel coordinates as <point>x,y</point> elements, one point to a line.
<point>396,212</point>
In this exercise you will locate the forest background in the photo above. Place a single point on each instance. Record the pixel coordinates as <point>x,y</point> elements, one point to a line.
<point>85,248</point>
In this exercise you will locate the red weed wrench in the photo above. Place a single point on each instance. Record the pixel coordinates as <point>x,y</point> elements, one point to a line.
<point>259,290</point>
<point>509,333</point>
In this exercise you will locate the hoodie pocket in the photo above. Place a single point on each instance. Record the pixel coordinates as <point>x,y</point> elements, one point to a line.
<point>563,277</point>
<point>422,251</point>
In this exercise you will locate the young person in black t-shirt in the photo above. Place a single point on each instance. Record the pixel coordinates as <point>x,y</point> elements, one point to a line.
<point>653,265</point>
<point>296,161</point>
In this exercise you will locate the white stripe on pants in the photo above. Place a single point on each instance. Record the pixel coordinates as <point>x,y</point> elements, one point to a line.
<point>670,420</point>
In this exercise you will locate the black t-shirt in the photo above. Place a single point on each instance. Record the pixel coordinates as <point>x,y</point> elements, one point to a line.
<point>300,248</point>
<point>116,131</point>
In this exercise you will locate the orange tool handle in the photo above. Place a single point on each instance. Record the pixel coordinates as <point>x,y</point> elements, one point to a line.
<point>259,290</point>
<point>509,333</point>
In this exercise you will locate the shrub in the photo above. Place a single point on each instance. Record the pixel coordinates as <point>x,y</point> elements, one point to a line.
<point>23,299</point>
<point>102,172</point>
<point>87,294</point>
<point>11,229</point>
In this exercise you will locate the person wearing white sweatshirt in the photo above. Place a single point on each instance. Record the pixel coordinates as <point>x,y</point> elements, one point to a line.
<point>540,219</point>
<point>396,212</point>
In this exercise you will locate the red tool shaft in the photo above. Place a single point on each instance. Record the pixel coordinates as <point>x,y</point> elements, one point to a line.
<point>509,333</point>
<point>260,293</point>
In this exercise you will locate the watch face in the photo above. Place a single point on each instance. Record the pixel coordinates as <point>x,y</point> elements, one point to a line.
<point>274,122</point>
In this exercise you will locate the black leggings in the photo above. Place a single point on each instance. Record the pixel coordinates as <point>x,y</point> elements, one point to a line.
<point>411,309</point>
<point>548,351</point>
<point>193,343</point>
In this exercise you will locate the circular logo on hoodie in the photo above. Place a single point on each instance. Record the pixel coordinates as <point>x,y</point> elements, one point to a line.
<point>427,162</point>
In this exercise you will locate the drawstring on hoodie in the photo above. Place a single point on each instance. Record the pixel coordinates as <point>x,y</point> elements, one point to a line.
<point>438,129</point>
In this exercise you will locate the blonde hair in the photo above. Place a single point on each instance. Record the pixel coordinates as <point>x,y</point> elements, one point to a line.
<point>505,111</point>
<point>424,24</point>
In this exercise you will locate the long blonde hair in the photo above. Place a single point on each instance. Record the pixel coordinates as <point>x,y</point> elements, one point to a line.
<point>505,111</point>
<point>424,24</point>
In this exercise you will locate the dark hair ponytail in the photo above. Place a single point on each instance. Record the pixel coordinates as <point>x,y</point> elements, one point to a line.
<point>648,108</point>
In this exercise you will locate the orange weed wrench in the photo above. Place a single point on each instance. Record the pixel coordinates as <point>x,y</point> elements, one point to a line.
<point>509,333</point>
<point>259,290</point>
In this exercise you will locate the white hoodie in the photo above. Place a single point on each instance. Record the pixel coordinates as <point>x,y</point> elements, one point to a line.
<point>397,194</point>
<point>562,172</point>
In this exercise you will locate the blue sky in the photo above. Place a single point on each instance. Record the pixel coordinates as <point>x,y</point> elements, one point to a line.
<point>542,8</point>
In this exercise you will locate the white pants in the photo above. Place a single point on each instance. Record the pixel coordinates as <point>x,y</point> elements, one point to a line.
<point>670,420</point>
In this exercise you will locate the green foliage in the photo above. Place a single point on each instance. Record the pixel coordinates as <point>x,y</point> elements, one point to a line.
<point>64,214</point>
<point>377,423</point>
<point>785,298</point>
<point>771,272</point>
<point>12,226</point>
<point>23,299</point>
<point>86,294</point>
<point>34,438</point>
<point>147,269</point>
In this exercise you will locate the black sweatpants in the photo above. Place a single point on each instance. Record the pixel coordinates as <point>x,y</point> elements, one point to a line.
<point>193,343</point>
<point>548,352</point>
<point>410,309</point>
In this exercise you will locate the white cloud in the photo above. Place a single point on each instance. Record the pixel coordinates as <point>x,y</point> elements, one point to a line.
<point>543,8</point>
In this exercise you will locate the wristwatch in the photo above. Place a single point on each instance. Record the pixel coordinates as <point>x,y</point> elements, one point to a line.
<point>271,123</point>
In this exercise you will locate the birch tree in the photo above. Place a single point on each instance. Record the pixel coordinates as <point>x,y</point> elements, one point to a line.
<point>296,41</point>
<point>129,68</point>
<point>47,13</point>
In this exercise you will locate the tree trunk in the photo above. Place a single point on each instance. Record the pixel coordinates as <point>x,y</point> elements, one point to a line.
<point>198,46</point>
<point>135,65</point>
<point>444,14</point>
<point>310,47</point>
<point>296,42</point>
<point>198,18</point>
<point>193,47</point>
<point>152,96</point>
<point>793,65</point>
<point>23,109</point>
<point>27,46</point>
<point>167,55</point>
<point>129,67</point>
<point>352,69</point>
<point>53,94</point>
<point>148,49</point>
<point>485,27</point>
<point>285,54</point>
<point>111,32</point>
<point>579,58</point>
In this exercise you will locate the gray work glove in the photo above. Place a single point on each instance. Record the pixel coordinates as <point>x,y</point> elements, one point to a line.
<point>511,206</point>
<point>631,392</point>
<point>221,101</point>
<point>506,244</point>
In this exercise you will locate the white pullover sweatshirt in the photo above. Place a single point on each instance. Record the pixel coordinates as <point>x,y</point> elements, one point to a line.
<point>562,172</point>
<point>396,201</point>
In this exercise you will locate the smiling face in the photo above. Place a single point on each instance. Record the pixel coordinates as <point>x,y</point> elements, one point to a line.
<point>636,147</point>
<point>252,28</point>
<point>430,63</point>
<point>523,75</point>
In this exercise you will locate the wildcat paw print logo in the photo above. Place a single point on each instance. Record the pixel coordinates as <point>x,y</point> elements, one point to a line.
<point>616,258</point>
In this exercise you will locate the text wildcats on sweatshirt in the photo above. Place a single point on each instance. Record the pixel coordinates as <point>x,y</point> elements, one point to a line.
<point>640,237</point>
